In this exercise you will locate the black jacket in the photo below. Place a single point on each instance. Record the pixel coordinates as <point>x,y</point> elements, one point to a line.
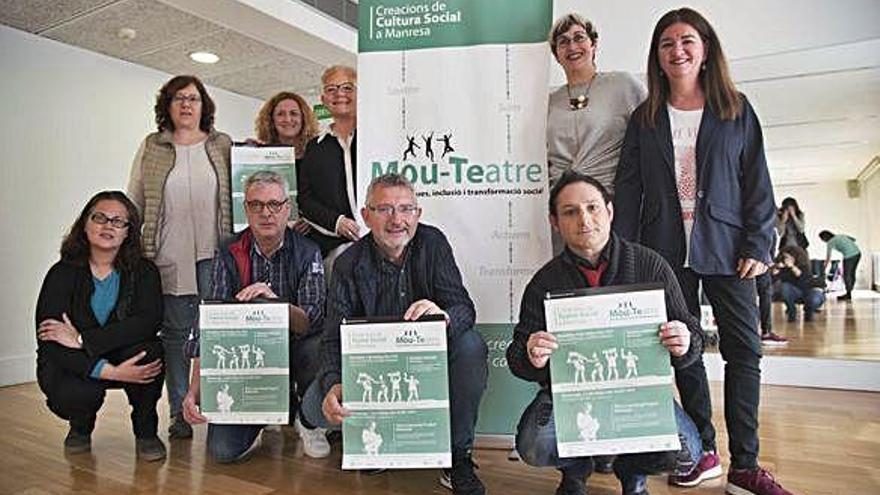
<point>321,192</point>
<point>628,263</point>
<point>735,211</point>
<point>136,317</point>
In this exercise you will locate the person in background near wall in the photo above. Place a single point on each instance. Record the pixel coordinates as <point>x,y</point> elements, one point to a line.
<point>327,176</point>
<point>286,119</point>
<point>715,227</point>
<point>846,246</point>
<point>98,318</point>
<point>180,181</point>
<point>764,287</point>
<point>793,270</point>
<point>790,225</point>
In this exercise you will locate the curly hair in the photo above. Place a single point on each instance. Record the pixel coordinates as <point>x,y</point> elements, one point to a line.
<point>721,94</point>
<point>76,248</point>
<point>166,96</point>
<point>265,127</point>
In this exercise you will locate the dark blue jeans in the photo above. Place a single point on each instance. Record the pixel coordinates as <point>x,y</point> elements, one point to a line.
<point>226,443</point>
<point>468,372</point>
<point>536,444</point>
<point>812,298</point>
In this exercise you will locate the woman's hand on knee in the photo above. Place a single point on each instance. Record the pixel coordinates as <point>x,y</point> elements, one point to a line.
<point>129,371</point>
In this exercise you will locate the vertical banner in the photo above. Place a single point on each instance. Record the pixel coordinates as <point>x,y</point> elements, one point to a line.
<point>610,376</point>
<point>245,368</point>
<point>395,382</point>
<point>453,95</point>
<point>249,159</point>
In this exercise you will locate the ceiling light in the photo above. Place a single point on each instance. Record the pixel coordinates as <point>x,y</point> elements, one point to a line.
<point>204,57</point>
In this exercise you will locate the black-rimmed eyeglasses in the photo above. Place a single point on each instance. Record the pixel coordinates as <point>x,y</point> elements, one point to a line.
<point>102,219</point>
<point>256,206</point>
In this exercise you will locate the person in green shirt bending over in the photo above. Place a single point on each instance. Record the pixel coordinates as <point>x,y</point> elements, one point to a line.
<point>846,245</point>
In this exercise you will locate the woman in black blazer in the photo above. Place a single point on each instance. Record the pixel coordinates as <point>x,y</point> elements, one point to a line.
<point>98,317</point>
<point>692,184</point>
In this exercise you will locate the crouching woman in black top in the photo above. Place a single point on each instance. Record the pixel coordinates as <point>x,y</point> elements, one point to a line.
<point>97,319</point>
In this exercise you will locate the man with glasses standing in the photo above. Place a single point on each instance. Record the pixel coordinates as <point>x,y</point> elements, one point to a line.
<point>328,176</point>
<point>268,260</point>
<point>405,269</point>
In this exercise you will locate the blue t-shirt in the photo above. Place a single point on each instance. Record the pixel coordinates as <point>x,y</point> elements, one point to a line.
<point>103,301</point>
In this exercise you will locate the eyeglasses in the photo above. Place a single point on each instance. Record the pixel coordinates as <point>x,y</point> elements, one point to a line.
<point>388,210</point>
<point>563,41</point>
<point>345,88</point>
<point>191,99</point>
<point>256,206</point>
<point>102,219</point>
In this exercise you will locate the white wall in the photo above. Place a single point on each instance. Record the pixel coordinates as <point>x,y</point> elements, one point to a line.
<point>827,206</point>
<point>70,124</point>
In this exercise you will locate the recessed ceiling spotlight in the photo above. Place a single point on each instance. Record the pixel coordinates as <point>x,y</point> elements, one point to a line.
<point>204,57</point>
<point>126,34</point>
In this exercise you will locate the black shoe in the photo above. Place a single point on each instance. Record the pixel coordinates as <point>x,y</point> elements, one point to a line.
<point>845,297</point>
<point>603,464</point>
<point>179,428</point>
<point>634,487</point>
<point>150,449</point>
<point>572,485</point>
<point>77,443</point>
<point>464,479</point>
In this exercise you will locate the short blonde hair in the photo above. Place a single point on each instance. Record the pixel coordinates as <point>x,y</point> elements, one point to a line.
<point>333,69</point>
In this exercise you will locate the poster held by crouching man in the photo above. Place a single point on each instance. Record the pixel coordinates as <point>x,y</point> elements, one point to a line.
<point>244,363</point>
<point>394,376</point>
<point>610,377</point>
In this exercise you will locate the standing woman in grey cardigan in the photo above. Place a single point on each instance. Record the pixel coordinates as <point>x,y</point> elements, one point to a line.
<point>586,117</point>
<point>180,182</point>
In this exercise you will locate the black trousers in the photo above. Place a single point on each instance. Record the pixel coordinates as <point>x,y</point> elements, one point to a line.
<point>849,272</point>
<point>77,399</point>
<point>733,303</point>
<point>764,286</point>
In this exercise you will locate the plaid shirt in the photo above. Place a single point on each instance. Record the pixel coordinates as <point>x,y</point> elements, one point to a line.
<point>294,272</point>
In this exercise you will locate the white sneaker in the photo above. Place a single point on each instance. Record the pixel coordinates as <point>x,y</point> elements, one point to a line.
<point>314,441</point>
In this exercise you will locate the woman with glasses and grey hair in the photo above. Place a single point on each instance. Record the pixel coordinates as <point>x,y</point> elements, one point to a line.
<point>97,320</point>
<point>587,116</point>
<point>180,181</point>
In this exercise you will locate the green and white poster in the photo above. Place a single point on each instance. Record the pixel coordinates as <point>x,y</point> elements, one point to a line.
<point>611,379</point>
<point>245,367</point>
<point>249,159</point>
<point>394,382</point>
<point>453,95</point>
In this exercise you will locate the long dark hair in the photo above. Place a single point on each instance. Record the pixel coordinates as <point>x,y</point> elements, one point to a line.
<point>789,201</point>
<point>76,249</point>
<point>801,258</point>
<point>166,96</point>
<point>721,94</point>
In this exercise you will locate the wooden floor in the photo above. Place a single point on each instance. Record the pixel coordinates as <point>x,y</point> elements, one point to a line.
<point>842,330</point>
<point>816,441</point>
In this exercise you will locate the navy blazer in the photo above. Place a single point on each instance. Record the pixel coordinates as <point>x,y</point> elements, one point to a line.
<point>735,209</point>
